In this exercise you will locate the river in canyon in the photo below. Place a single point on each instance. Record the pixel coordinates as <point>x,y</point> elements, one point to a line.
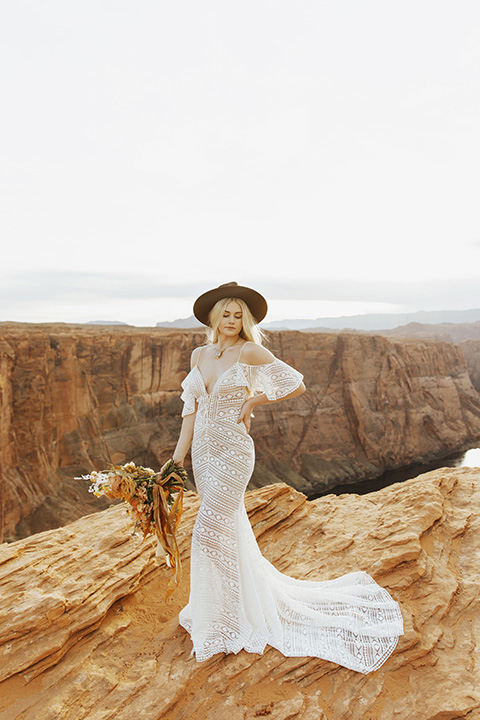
<point>470,458</point>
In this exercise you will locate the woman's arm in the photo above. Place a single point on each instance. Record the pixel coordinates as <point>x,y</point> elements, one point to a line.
<point>185,439</point>
<point>258,355</point>
<point>247,407</point>
<point>186,432</point>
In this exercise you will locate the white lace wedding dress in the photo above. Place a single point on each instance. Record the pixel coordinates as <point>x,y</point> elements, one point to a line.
<point>238,600</point>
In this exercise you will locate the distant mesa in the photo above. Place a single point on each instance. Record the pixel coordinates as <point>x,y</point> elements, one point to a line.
<point>379,321</point>
<point>105,322</point>
<point>181,323</point>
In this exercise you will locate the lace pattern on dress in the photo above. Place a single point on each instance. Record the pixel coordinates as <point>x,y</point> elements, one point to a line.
<point>276,379</point>
<point>239,600</point>
<point>189,395</point>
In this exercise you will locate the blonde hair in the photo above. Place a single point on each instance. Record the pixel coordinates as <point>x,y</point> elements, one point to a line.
<point>250,329</point>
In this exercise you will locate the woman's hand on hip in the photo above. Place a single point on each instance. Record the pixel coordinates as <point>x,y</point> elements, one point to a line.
<point>246,414</point>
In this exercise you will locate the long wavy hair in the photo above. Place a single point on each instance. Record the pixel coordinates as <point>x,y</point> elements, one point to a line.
<point>250,330</point>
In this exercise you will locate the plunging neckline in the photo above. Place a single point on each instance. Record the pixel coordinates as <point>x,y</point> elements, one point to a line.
<point>237,362</point>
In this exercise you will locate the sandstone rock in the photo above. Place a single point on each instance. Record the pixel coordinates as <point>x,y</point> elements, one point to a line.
<point>73,398</point>
<point>373,404</point>
<point>471,349</point>
<point>85,631</point>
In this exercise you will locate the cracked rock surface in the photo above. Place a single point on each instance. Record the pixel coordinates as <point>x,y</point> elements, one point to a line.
<point>85,631</point>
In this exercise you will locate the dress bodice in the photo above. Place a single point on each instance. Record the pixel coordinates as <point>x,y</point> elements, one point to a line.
<point>235,384</point>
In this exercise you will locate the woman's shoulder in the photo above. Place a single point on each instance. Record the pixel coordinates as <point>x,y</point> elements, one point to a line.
<point>195,356</point>
<point>254,354</point>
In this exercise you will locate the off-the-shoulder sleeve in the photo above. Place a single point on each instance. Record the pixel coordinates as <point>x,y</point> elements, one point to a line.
<point>188,395</point>
<point>276,379</point>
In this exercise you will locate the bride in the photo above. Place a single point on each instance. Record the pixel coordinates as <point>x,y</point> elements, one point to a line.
<point>238,600</point>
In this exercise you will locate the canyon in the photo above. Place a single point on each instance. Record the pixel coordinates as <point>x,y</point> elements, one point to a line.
<point>85,631</point>
<point>471,350</point>
<point>74,398</point>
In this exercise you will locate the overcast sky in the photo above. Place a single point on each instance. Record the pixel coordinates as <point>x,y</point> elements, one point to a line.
<point>326,153</point>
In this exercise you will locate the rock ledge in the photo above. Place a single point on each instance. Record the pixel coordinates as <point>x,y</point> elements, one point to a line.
<point>85,632</point>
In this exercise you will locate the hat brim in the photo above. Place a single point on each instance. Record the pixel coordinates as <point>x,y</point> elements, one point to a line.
<point>204,304</point>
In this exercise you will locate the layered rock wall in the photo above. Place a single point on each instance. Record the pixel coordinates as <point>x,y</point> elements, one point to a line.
<point>73,398</point>
<point>373,404</point>
<point>471,350</point>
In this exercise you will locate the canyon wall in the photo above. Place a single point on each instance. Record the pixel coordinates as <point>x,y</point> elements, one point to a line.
<point>73,398</point>
<point>471,350</point>
<point>86,634</point>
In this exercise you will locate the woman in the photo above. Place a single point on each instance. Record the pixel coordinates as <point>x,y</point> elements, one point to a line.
<point>238,600</point>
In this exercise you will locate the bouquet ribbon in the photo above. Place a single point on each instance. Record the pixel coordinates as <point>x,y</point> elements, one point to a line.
<point>166,522</point>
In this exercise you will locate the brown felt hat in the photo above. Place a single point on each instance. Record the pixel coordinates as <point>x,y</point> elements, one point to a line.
<point>256,302</point>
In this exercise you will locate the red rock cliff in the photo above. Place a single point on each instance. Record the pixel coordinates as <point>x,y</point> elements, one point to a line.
<point>73,398</point>
<point>471,349</point>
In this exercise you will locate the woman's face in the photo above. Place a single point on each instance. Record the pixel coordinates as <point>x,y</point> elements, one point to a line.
<point>231,323</point>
